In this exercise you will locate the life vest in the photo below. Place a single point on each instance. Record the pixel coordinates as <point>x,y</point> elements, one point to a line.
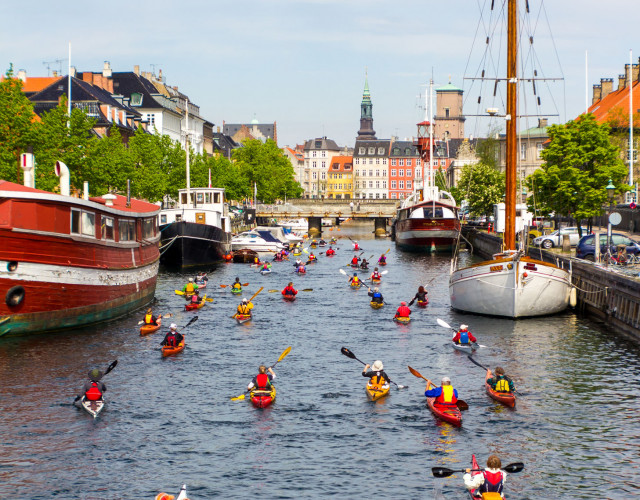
<point>377,295</point>
<point>376,382</point>
<point>171,340</point>
<point>289,291</point>
<point>464,337</point>
<point>403,311</point>
<point>244,309</point>
<point>502,385</point>
<point>301,269</point>
<point>148,319</point>
<point>356,247</point>
<point>354,261</point>
<point>189,288</point>
<point>492,482</point>
<point>262,381</point>
<point>195,299</point>
<point>447,396</point>
<point>93,394</point>
<point>355,280</point>
<point>236,285</point>
<point>331,252</point>
<point>382,259</point>
<point>376,276</point>
<point>312,257</point>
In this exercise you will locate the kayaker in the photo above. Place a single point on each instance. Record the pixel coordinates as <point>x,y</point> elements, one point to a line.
<point>263,379</point>
<point>364,264</point>
<point>150,319</point>
<point>278,257</point>
<point>190,287</point>
<point>445,394</point>
<point>173,337</point>
<point>301,268</point>
<point>201,279</point>
<point>266,266</point>
<point>314,243</point>
<point>375,275</point>
<point>322,242</point>
<point>382,260</point>
<point>93,389</point>
<point>237,285</point>
<point>256,261</point>
<point>376,296</point>
<point>492,478</point>
<point>289,290</point>
<point>378,379</point>
<point>500,383</point>
<point>312,257</point>
<point>463,336</point>
<point>420,296</point>
<point>356,247</point>
<point>354,261</point>
<point>195,298</point>
<point>403,311</point>
<point>354,280</point>
<point>331,251</point>
<point>297,263</point>
<point>333,241</point>
<point>245,307</point>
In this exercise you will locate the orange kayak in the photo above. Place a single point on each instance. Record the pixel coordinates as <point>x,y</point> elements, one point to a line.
<point>147,329</point>
<point>506,398</point>
<point>170,351</point>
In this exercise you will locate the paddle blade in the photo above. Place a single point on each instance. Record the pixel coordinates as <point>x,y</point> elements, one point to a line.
<point>224,286</point>
<point>342,271</point>
<point>384,272</point>
<point>238,398</point>
<point>415,373</point>
<point>462,405</point>
<point>273,291</point>
<point>192,321</point>
<point>111,367</point>
<point>347,353</point>
<point>209,300</point>
<point>442,471</point>
<point>514,467</point>
<point>284,354</point>
<point>245,284</point>
<point>444,324</point>
<point>307,289</point>
<point>179,292</point>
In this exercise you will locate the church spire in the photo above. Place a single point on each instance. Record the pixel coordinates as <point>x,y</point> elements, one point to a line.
<point>366,113</point>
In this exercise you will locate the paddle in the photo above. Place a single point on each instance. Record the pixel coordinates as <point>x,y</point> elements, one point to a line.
<point>191,322</point>
<point>303,290</point>
<point>282,356</point>
<point>109,368</point>
<point>243,284</point>
<point>349,354</point>
<point>168,315</point>
<point>447,325</point>
<point>444,472</point>
<point>462,405</point>
<point>249,301</point>
<point>488,369</point>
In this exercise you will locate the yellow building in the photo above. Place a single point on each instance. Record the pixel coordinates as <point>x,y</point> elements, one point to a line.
<point>340,178</point>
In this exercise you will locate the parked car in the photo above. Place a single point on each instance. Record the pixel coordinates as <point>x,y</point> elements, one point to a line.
<point>586,248</point>
<point>555,239</point>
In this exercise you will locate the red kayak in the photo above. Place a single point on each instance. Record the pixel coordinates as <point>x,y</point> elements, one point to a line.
<point>289,298</point>
<point>447,412</point>
<point>423,303</point>
<point>506,398</point>
<point>263,398</point>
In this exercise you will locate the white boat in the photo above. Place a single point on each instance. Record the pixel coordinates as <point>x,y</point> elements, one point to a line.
<point>258,241</point>
<point>93,408</point>
<point>300,224</point>
<point>281,234</point>
<point>511,284</point>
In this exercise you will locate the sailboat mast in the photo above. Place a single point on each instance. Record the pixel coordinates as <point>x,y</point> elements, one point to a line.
<point>186,147</point>
<point>432,183</point>
<point>512,121</point>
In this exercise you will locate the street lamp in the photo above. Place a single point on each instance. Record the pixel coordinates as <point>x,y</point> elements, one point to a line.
<point>610,192</point>
<point>524,195</point>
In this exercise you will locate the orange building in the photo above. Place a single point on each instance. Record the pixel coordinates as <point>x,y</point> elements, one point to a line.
<point>340,178</point>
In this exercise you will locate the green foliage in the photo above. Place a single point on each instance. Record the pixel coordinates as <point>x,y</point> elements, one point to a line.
<point>577,167</point>
<point>488,149</point>
<point>482,186</point>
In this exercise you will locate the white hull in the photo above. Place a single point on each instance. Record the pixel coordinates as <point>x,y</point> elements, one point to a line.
<point>529,288</point>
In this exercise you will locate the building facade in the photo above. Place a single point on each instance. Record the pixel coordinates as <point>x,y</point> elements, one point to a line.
<point>340,178</point>
<point>317,158</point>
<point>449,120</point>
<point>405,169</point>
<point>371,168</point>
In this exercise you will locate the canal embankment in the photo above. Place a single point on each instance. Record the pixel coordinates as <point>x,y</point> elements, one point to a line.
<point>604,294</point>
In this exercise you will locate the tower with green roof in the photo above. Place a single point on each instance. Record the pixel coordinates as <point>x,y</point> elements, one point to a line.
<point>366,114</point>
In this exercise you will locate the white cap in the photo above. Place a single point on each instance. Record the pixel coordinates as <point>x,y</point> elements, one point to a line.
<point>446,380</point>
<point>464,327</point>
<point>190,279</point>
<point>245,300</point>
<point>377,366</point>
<point>173,326</point>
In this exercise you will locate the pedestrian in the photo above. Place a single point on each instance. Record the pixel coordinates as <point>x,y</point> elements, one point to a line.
<point>351,206</point>
<point>358,206</point>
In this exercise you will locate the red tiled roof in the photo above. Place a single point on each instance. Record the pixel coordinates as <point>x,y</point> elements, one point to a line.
<point>38,83</point>
<point>603,109</point>
<point>341,161</point>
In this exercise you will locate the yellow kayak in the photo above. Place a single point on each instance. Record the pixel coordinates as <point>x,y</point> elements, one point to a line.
<point>374,393</point>
<point>376,305</point>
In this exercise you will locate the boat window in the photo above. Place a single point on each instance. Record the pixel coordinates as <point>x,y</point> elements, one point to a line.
<point>418,213</point>
<point>447,213</point>
<point>88,226</point>
<point>75,221</point>
<point>178,217</point>
<point>148,228</point>
<point>127,230</point>
<point>163,219</point>
<point>107,228</point>
<point>183,198</point>
<point>207,197</point>
<point>200,197</point>
<point>216,197</point>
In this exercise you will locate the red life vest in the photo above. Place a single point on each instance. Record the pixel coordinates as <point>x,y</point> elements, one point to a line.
<point>354,261</point>
<point>195,299</point>
<point>289,291</point>
<point>330,251</point>
<point>262,381</point>
<point>93,394</point>
<point>492,482</point>
<point>375,276</point>
<point>403,311</point>
<point>172,339</point>
<point>447,396</point>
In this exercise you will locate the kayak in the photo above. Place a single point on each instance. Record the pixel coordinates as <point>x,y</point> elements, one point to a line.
<point>147,329</point>
<point>423,303</point>
<point>198,305</point>
<point>376,305</point>
<point>376,280</point>
<point>374,394</point>
<point>475,495</point>
<point>265,271</point>
<point>382,263</point>
<point>263,398</point>
<point>364,268</point>
<point>355,266</point>
<point>93,408</point>
<point>202,284</point>
<point>301,271</point>
<point>506,398</point>
<point>170,351</point>
<point>449,413</point>
<point>289,298</point>
<point>181,496</point>
<point>297,254</point>
<point>313,246</point>
<point>466,348</point>
<point>355,285</point>
<point>236,291</point>
<point>243,318</point>
<point>322,244</point>
<point>402,319</point>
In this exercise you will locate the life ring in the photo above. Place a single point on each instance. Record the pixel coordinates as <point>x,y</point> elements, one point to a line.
<point>15,296</point>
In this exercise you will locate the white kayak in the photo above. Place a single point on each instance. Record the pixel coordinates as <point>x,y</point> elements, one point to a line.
<point>466,348</point>
<point>93,408</point>
<point>265,271</point>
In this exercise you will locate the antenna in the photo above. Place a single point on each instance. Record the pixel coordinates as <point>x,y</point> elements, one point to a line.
<point>52,64</point>
<point>153,68</point>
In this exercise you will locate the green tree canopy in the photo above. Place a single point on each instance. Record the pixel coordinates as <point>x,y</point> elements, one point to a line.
<point>482,186</point>
<point>577,167</point>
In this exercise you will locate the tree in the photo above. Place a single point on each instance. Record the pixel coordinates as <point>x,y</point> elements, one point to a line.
<point>16,126</point>
<point>577,167</point>
<point>482,186</point>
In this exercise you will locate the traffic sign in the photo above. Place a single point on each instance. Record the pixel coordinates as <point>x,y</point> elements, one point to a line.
<point>632,205</point>
<point>615,218</point>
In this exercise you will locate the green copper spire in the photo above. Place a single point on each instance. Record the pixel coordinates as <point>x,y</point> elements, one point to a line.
<point>366,96</point>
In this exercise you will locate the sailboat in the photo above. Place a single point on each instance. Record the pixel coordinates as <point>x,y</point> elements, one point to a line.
<point>511,284</point>
<point>427,221</point>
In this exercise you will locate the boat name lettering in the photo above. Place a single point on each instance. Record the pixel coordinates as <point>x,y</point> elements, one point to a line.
<point>530,266</point>
<point>494,269</point>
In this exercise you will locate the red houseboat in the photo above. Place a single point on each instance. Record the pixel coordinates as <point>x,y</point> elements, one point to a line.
<point>67,262</point>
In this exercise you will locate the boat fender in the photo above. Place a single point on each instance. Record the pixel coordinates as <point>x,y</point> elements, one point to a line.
<point>573,297</point>
<point>15,296</point>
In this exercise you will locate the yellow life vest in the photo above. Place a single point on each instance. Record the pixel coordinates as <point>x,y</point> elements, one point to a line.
<point>148,319</point>
<point>376,382</point>
<point>236,285</point>
<point>502,385</point>
<point>190,288</point>
<point>355,281</point>
<point>244,309</point>
<point>447,393</point>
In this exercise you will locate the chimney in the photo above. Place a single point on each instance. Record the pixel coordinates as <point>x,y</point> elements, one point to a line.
<point>621,81</point>
<point>160,74</point>
<point>106,69</point>
<point>22,75</point>
<point>543,122</point>
<point>597,94</point>
<point>607,86</point>
<point>635,73</point>
<point>55,73</point>
<point>136,69</point>
<point>627,75</point>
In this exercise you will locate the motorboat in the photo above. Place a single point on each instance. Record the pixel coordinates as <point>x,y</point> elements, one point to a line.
<point>256,240</point>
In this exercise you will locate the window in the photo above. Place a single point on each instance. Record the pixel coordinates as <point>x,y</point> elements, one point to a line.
<point>540,147</point>
<point>401,172</point>
<point>107,228</point>
<point>207,197</point>
<point>409,173</point>
<point>200,197</point>
<point>339,176</point>
<point>401,162</point>
<point>407,151</point>
<point>396,151</point>
<point>136,99</point>
<point>393,172</point>
<point>163,218</point>
<point>384,184</point>
<point>370,196</point>
<point>393,162</point>
<point>364,173</point>
<point>443,163</point>
<point>417,162</point>
<point>377,173</point>
<point>88,224</point>
<point>384,161</point>
<point>324,154</point>
<point>377,184</point>
<point>178,219</point>
<point>339,186</point>
<point>377,161</point>
<point>361,151</point>
<point>370,184</point>
<point>408,184</point>
<point>148,228</point>
<point>370,161</point>
<point>127,229</point>
<point>75,221</point>
<point>314,153</point>
<point>335,166</point>
<point>446,112</point>
<point>323,164</point>
<point>323,176</point>
<point>393,185</point>
<point>380,151</point>
<point>408,162</point>
<point>372,151</point>
<point>393,196</point>
<point>357,161</point>
<point>384,196</point>
<point>523,151</point>
<point>370,173</point>
<point>400,184</point>
<point>318,145</point>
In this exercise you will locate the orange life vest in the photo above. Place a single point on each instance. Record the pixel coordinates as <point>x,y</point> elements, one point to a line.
<point>376,382</point>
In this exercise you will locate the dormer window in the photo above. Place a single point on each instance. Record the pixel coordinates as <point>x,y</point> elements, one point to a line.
<point>372,151</point>
<point>136,99</point>
<point>361,151</point>
<point>380,151</point>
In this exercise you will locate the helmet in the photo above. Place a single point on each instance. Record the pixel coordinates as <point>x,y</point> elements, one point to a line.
<point>173,326</point>
<point>95,374</point>
<point>190,279</point>
<point>355,274</point>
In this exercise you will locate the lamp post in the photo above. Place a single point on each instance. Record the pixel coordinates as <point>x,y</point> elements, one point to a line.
<point>524,195</point>
<point>610,192</point>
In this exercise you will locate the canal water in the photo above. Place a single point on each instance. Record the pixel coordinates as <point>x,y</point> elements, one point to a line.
<point>171,421</point>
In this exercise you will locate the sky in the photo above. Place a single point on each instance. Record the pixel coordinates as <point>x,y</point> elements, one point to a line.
<point>302,63</point>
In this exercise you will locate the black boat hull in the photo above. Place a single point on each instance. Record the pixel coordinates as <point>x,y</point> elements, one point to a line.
<point>187,244</point>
